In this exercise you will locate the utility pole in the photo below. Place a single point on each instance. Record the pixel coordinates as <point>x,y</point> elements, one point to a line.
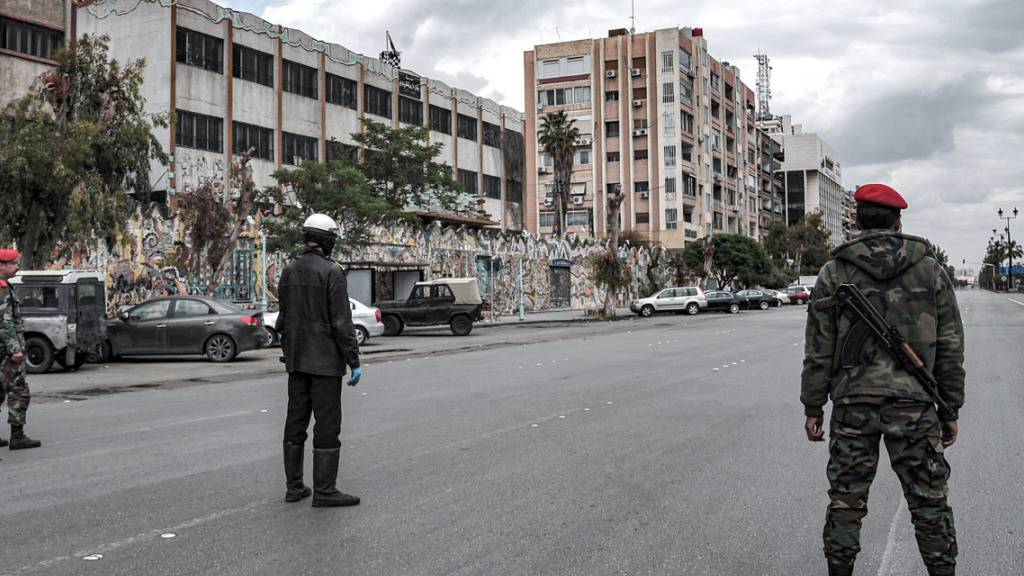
<point>1009,244</point>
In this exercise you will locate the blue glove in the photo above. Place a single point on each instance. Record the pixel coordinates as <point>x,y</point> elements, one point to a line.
<point>357,373</point>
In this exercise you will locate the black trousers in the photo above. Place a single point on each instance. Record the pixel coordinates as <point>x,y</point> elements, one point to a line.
<point>319,396</point>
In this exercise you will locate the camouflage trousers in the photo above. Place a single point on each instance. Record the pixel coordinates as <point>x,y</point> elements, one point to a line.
<point>14,388</point>
<point>913,439</point>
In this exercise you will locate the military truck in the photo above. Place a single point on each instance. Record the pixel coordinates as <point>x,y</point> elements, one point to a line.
<point>65,316</point>
<point>452,301</point>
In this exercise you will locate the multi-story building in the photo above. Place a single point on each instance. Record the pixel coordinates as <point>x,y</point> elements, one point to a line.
<point>771,187</point>
<point>237,82</point>
<point>849,216</point>
<point>812,177</point>
<point>658,116</point>
<point>30,33</point>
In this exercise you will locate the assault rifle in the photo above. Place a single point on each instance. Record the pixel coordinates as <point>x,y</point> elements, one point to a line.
<point>870,321</point>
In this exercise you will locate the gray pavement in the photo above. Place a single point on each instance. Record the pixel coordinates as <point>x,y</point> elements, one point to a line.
<point>671,445</point>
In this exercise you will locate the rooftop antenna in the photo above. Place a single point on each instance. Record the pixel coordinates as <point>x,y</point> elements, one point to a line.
<point>391,55</point>
<point>764,85</point>
<point>632,18</point>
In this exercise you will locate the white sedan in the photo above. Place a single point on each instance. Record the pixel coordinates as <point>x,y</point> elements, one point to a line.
<point>367,321</point>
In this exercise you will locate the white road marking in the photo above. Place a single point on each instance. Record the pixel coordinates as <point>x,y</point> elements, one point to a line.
<point>168,535</point>
<point>264,411</point>
<point>534,425</point>
<point>561,417</point>
<point>890,544</point>
<point>1016,301</point>
<point>586,409</point>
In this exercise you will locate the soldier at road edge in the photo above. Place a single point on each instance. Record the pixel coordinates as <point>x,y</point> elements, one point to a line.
<point>318,341</point>
<point>878,399</point>
<point>13,385</point>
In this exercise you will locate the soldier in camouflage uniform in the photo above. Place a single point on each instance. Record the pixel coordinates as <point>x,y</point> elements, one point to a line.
<point>876,399</point>
<point>13,386</point>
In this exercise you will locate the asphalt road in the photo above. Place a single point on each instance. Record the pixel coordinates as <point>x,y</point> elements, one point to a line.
<point>667,446</point>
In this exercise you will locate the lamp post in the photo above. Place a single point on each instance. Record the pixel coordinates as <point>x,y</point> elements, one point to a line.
<point>1009,242</point>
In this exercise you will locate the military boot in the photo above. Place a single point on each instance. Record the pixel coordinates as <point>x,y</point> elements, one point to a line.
<point>3,442</point>
<point>293,473</point>
<point>840,569</point>
<point>943,571</point>
<point>325,474</point>
<point>21,442</point>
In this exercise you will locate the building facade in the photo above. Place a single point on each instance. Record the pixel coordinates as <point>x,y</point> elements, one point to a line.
<point>236,82</point>
<point>30,32</point>
<point>658,116</point>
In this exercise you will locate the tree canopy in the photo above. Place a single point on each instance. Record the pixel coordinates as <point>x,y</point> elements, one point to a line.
<point>736,258</point>
<point>557,137</point>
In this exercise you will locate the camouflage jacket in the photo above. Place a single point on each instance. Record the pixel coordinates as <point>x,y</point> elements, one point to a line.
<point>899,275</point>
<point>12,328</point>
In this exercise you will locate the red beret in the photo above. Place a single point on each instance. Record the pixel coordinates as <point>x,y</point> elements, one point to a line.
<point>9,255</point>
<point>880,194</point>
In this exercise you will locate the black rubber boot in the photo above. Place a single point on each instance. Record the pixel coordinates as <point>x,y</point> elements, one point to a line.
<point>840,569</point>
<point>3,442</point>
<point>293,473</point>
<point>325,475</point>
<point>21,442</point>
<point>944,571</point>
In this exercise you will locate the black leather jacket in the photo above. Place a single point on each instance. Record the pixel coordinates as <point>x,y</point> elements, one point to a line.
<point>315,320</point>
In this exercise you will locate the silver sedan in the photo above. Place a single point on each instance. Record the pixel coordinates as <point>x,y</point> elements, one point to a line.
<point>366,319</point>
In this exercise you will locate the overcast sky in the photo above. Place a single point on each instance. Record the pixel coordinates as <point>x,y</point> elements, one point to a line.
<point>926,95</point>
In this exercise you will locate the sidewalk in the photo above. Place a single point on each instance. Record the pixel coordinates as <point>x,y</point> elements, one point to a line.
<point>549,317</point>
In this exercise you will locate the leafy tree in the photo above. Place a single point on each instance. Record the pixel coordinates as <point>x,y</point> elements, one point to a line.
<point>611,273</point>
<point>943,260</point>
<point>557,136</point>
<point>736,257</point>
<point>804,244</point>
<point>400,167</point>
<point>75,153</point>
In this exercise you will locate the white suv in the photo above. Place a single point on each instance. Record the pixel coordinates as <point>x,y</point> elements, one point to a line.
<point>690,299</point>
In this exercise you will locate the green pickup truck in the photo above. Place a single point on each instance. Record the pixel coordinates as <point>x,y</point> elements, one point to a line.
<point>452,301</point>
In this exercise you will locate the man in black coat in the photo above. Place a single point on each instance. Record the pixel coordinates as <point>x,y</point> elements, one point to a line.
<point>318,341</point>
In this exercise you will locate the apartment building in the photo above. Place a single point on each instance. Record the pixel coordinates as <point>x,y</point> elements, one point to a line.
<point>812,176</point>
<point>238,82</point>
<point>658,116</point>
<point>30,32</point>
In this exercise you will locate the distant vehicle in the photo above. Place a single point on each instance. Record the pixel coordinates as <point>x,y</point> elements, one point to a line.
<point>452,301</point>
<point>367,321</point>
<point>182,325</point>
<point>759,298</point>
<point>720,301</point>
<point>690,299</point>
<point>65,316</point>
<point>781,297</point>
<point>799,294</point>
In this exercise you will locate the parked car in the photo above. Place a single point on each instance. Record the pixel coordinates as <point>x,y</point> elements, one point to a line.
<point>181,325</point>
<point>781,297</point>
<point>799,294</point>
<point>452,301</point>
<point>720,301</point>
<point>690,299</point>
<point>366,319</point>
<point>759,298</point>
<point>65,316</point>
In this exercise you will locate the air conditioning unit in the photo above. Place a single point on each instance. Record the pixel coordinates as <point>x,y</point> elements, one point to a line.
<point>543,169</point>
<point>644,195</point>
<point>610,74</point>
<point>640,132</point>
<point>583,142</point>
<point>540,105</point>
<point>577,200</point>
<point>548,201</point>
<point>634,72</point>
<point>638,103</point>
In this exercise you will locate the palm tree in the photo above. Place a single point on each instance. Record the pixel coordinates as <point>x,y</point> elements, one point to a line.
<point>558,135</point>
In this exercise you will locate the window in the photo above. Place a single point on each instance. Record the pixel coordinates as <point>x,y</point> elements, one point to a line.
<point>641,186</point>
<point>562,96</point>
<point>440,120</point>
<point>342,91</point>
<point>715,83</point>
<point>199,131</point>
<point>685,62</point>
<point>717,221</point>
<point>153,311</point>
<point>190,308</point>
<point>666,61</point>
<point>37,296</point>
<point>668,124</point>
<point>546,159</point>
<point>467,127</point>
<point>686,121</point>
<point>547,219</point>
<point>671,218</point>
<point>670,185</point>
<point>300,79</point>
<point>643,217</point>
<point>613,157</point>
<point>575,66</point>
<point>410,111</point>
<point>492,187</point>
<point>611,96</point>
<point>581,95</point>
<point>550,69</point>
<point>640,93</point>
<point>514,191</point>
<point>670,156</point>
<point>260,140</point>
<point>640,154</point>
<point>197,49</point>
<point>687,152</point>
<point>30,39</point>
<point>668,93</point>
<point>688,214</point>
<point>252,65</point>
<point>467,182</point>
<point>378,102</point>
<point>686,90</point>
<point>612,129</point>
<point>580,218</point>
<point>341,152</point>
<point>640,123</point>
<point>492,135</point>
<point>690,186</point>
<point>299,148</point>
<point>582,156</point>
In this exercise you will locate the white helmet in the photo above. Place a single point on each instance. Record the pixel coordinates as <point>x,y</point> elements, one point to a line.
<point>321,223</point>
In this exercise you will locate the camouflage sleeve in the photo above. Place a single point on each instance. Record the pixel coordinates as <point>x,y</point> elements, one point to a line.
<point>819,347</point>
<point>10,324</point>
<point>949,345</point>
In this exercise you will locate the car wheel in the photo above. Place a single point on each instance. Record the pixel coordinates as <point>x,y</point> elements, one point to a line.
<point>39,355</point>
<point>734,308</point>
<point>799,301</point>
<point>362,336</point>
<point>269,337</point>
<point>692,308</point>
<point>647,311</point>
<point>392,325</point>
<point>220,348</point>
<point>461,325</point>
<point>763,305</point>
<point>80,359</point>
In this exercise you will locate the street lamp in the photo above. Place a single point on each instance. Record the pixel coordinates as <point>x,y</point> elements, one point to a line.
<point>1009,242</point>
